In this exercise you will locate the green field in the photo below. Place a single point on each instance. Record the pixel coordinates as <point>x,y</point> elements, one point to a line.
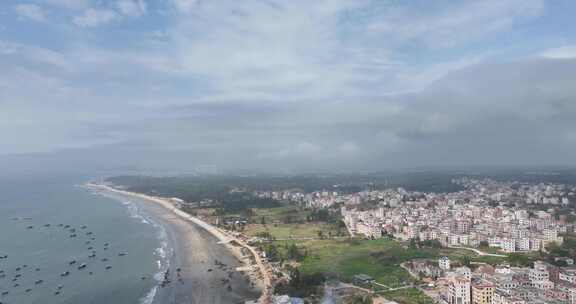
<point>379,258</point>
<point>342,258</point>
<point>285,231</point>
<point>408,296</point>
<point>290,222</point>
<point>345,258</point>
<point>280,213</point>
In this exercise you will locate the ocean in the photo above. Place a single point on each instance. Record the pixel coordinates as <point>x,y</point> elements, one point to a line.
<point>60,239</point>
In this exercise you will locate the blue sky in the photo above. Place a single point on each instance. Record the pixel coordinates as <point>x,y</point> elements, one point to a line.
<point>328,84</point>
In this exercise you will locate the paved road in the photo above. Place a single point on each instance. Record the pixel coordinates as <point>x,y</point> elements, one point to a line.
<point>481,253</point>
<point>312,238</point>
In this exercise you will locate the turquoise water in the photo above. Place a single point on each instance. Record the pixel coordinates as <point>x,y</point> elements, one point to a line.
<point>28,205</point>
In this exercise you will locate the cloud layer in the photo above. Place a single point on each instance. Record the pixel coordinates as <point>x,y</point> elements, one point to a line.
<point>290,85</point>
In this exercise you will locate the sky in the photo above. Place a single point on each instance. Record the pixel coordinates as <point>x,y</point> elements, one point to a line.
<point>287,85</point>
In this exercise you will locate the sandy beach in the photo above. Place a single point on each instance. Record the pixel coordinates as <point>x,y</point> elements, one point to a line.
<point>207,268</point>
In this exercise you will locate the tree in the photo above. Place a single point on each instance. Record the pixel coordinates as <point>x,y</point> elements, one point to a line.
<point>555,250</point>
<point>300,285</point>
<point>321,215</point>
<point>518,259</point>
<point>293,253</point>
<point>466,261</point>
<point>272,252</point>
<point>263,220</point>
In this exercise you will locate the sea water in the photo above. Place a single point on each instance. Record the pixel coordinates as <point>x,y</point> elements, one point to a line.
<point>34,214</point>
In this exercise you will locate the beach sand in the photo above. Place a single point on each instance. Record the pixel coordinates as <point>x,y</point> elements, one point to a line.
<point>195,251</point>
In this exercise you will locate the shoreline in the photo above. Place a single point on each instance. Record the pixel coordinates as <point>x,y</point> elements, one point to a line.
<point>186,233</point>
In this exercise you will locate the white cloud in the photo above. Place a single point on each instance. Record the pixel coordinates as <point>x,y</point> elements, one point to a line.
<point>267,47</point>
<point>565,52</point>
<point>95,17</point>
<point>132,8</point>
<point>303,82</point>
<point>35,55</point>
<point>318,50</point>
<point>69,4</point>
<point>30,11</point>
<point>459,23</point>
<point>413,79</point>
<point>184,6</point>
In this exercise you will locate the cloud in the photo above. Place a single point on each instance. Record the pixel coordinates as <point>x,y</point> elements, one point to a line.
<point>132,8</point>
<point>39,56</point>
<point>494,112</point>
<point>69,4</point>
<point>293,51</point>
<point>95,17</point>
<point>349,148</point>
<point>30,11</point>
<point>328,49</point>
<point>301,149</point>
<point>292,84</point>
<point>564,52</point>
<point>443,26</point>
<point>184,6</point>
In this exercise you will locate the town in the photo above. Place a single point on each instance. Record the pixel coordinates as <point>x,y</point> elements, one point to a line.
<point>485,213</point>
<point>487,217</point>
<point>543,283</point>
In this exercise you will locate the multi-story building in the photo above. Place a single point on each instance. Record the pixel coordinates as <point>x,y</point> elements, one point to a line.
<point>482,292</point>
<point>540,277</point>
<point>459,291</point>
<point>523,244</point>
<point>444,263</point>
<point>508,245</point>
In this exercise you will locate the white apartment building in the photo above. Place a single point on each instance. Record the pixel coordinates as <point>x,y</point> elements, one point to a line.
<point>508,245</point>
<point>523,244</point>
<point>539,276</point>
<point>444,263</point>
<point>459,291</point>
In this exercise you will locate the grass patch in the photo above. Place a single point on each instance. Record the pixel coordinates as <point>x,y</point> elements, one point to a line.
<point>345,258</point>
<point>492,260</point>
<point>279,214</point>
<point>286,214</point>
<point>285,231</point>
<point>379,258</point>
<point>494,250</point>
<point>291,222</point>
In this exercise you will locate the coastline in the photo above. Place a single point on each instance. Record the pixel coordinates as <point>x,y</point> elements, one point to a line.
<point>209,265</point>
